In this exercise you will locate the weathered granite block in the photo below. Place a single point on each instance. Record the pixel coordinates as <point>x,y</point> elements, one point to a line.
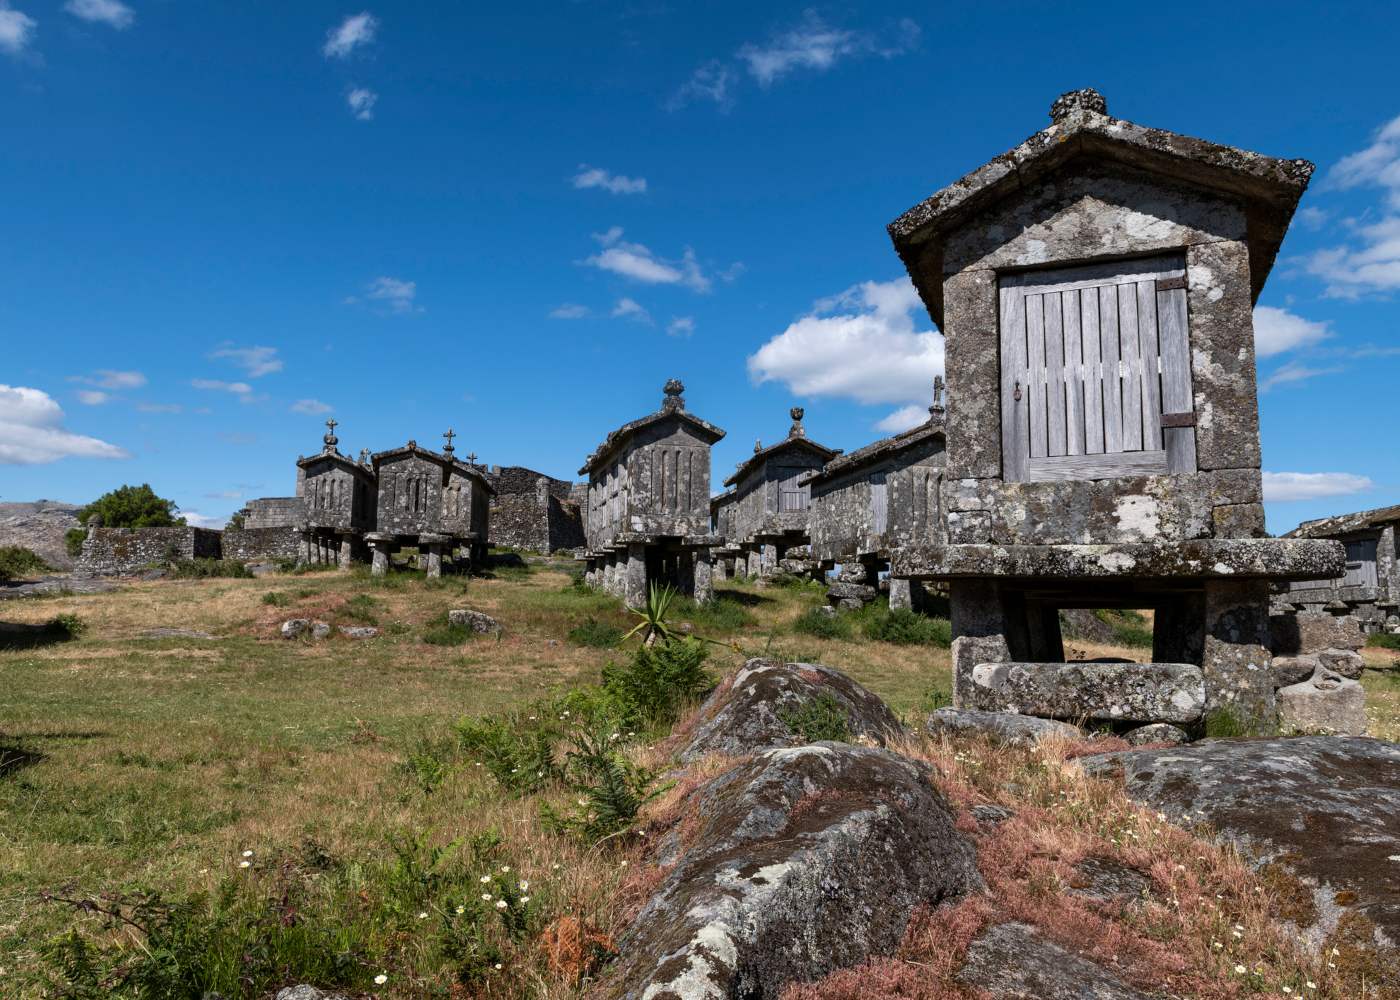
<point>1314,631</point>
<point>972,527</point>
<point>1237,662</point>
<point>1325,703</point>
<point>1241,520</point>
<point>1222,365</point>
<point>1130,692</point>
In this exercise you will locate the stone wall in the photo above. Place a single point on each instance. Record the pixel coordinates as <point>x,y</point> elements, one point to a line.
<point>259,544</point>
<point>512,479</point>
<point>117,551</point>
<point>274,512</point>
<point>537,521</point>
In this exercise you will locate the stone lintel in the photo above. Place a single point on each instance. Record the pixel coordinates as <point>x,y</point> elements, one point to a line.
<point>1227,558</point>
<point>432,538</point>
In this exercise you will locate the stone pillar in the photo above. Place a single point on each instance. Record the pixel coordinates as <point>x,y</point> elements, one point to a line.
<point>347,551</point>
<point>979,633</point>
<point>306,550</point>
<point>432,560</point>
<point>755,564</point>
<point>1236,661</point>
<point>704,589</point>
<point>379,558</point>
<point>768,559</point>
<point>634,577</point>
<point>741,565</point>
<point>719,569</point>
<point>1388,567</point>
<point>901,593</point>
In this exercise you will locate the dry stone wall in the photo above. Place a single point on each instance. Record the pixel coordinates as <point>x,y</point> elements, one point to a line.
<point>117,551</point>
<point>257,544</point>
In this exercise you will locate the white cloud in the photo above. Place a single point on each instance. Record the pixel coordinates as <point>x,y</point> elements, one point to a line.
<point>862,344</point>
<point>224,495</point>
<point>215,385</point>
<point>1371,262</point>
<point>1296,371</point>
<point>597,177</point>
<point>637,262</point>
<point>350,34</point>
<point>1278,330</point>
<point>255,361</point>
<point>112,13</point>
<point>93,397</point>
<point>106,378</point>
<point>1279,486</point>
<point>197,520</point>
<point>814,44</point>
<point>398,295</point>
<point>16,29</point>
<point>159,407</point>
<point>31,431</point>
<point>681,326</point>
<point>569,310</point>
<point>712,81</point>
<point>311,406</point>
<point>630,309</point>
<point>903,419</point>
<point>362,101</point>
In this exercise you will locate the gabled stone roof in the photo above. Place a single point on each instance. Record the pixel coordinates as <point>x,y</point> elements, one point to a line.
<point>873,454</point>
<point>763,454</point>
<point>337,458</point>
<point>720,499</point>
<point>1342,524</point>
<point>446,461</point>
<point>672,407</point>
<point>1081,128</point>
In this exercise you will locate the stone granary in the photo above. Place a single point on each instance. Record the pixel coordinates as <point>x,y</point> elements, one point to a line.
<point>648,516</point>
<point>1369,586</point>
<point>727,559</point>
<point>1095,287</point>
<point>431,501</point>
<point>338,502</point>
<point>873,500</point>
<point>766,519</point>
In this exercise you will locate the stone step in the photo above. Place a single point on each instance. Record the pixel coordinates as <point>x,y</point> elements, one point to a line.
<point>1102,692</point>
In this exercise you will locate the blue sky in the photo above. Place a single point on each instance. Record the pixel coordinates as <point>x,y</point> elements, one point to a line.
<point>223,221</point>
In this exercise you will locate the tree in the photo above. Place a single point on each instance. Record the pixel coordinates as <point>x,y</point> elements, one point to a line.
<point>133,507</point>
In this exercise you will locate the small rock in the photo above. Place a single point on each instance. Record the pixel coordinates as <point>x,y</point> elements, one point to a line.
<point>745,715</point>
<point>826,611</point>
<point>858,591</point>
<point>803,861</point>
<point>304,992</point>
<point>359,631</point>
<point>294,627</point>
<point>849,604</point>
<point>478,621</point>
<point>1294,669</point>
<point>1107,880</point>
<point>1347,662</point>
<point>319,630</point>
<point>1157,732</point>
<point>1008,727</point>
<point>991,814</point>
<point>1014,962</point>
<point>1325,703</point>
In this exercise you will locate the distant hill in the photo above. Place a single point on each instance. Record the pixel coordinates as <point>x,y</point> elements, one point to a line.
<point>40,526</point>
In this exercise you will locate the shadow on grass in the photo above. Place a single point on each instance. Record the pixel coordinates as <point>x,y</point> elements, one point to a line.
<point>14,759</point>
<point>19,637</point>
<point>744,597</point>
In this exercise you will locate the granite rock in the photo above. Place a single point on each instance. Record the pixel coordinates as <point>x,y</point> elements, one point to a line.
<point>1324,703</point>
<point>1015,962</point>
<point>1017,730</point>
<point>478,621</point>
<point>1157,732</point>
<point>1120,692</point>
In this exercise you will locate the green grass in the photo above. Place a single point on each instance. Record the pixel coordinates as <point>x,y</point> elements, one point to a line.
<point>591,632</point>
<point>195,569</point>
<point>1130,628</point>
<point>1383,640</point>
<point>903,627</point>
<point>822,624</point>
<point>819,718</point>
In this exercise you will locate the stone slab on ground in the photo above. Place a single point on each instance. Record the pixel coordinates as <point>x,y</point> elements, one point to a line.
<point>1118,692</point>
<point>744,715</point>
<point>805,860</point>
<point>478,621</point>
<point>1157,732</point>
<point>1018,730</point>
<point>50,585</point>
<point>1327,808</point>
<point>1014,962</point>
<point>1324,703</point>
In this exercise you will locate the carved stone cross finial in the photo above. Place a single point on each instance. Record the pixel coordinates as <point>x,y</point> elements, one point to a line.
<point>758,446</point>
<point>330,440</point>
<point>447,448</point>
<point>1078,102</point>
<point>673,399</point>
<point>937,408</point>
<point>796,430</point>
<point>471,457</point>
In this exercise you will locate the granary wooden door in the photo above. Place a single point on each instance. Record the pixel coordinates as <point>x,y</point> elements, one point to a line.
<point>791,496</point>
<point>1361,563</point>
<point>1096,372</point>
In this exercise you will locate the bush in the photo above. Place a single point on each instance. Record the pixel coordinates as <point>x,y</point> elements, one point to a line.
<point>277,598</point>
<point>444,633</point>
<point>1130,628</point>
<point>612,789</point>
<point>592,632</point>
<point>133,507</point>
<point>73,540</point>
<point>1383,640</point>
<point>519,755</point>
<point>822,624</point>
<point>18,563</point>
<point>361,608</point>
<point>203,569</point>
<point>906,628</point>
<point>817,719</point>
<point>660,682</point>
<point>68,626</point>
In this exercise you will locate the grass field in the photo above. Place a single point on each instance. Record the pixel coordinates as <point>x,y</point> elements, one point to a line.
<point>182,766</point>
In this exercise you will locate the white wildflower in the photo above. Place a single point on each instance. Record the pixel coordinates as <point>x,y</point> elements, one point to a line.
<point>380,979</point>
<point>501,904</point>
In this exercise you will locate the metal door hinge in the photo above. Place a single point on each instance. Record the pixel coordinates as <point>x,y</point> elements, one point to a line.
<point>1167,284</point>
<point>1178,420</point>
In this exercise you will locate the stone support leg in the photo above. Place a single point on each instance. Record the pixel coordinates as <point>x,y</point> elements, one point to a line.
<point>347,551</point>
<point>1236,660</point>
<point>634,593</point>
<point>979,633</point>
<point>379,560</point>
<point>704,587</point>
<point>719,569</point>
<point>768,559</point>
<point>901,594</point>
<point>755,564</point>
<point>741,566</point>
<point>434,560</point>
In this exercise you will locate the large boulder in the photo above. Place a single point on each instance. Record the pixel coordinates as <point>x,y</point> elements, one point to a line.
<point>1017,730</point>
<point>1014,962</point>
<point>746,714</point>
<point>1106,692</point>
<point>1326,808</point>
<point>1324,703</point>
<point>478,621</point>
<point>1314,631</point>
<point>801,861</point>
<point>1347,662</point>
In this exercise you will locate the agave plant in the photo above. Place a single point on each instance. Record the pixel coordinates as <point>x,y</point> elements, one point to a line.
<point>653,625</point>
